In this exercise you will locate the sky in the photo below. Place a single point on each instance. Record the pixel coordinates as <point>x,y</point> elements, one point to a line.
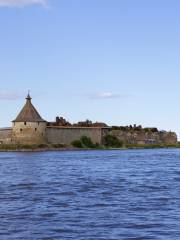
<point>115,61</point>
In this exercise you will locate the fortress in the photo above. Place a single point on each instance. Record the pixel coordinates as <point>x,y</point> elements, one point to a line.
<point>30,128</point>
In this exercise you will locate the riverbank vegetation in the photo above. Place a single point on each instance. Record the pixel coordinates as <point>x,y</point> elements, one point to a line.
<point>112,142</point>
<point>85,142</point>
<point>32,147</point>
<point>109,142</point>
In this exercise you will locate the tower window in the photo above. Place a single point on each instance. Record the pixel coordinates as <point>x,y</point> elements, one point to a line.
<point>21,130</point>
<point>35,129</point>
<point>24,123</point>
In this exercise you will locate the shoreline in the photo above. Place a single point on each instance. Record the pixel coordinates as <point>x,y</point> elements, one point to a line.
<point>66,149</point>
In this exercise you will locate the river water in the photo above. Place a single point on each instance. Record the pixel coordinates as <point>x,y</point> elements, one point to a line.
<point>90,195</point>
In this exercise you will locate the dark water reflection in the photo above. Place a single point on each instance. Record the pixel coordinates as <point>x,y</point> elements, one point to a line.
<point>90,195</point>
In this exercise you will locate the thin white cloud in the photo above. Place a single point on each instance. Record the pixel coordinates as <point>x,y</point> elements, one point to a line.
<point>21,3</point>
<point>9,95</point>
<point>107,95</point>
<point>12,95</point>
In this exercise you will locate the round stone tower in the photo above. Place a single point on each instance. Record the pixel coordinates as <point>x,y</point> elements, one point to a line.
<point>29,127</point>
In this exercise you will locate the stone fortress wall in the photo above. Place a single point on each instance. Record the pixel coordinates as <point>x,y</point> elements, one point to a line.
<point>26,134</point>
<point>66,135</point>
<point>5,135</point>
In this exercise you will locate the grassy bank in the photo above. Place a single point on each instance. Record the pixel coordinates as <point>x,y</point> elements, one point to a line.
<point>136,146</point>
<point>34,147</point>
<point>60,147</point>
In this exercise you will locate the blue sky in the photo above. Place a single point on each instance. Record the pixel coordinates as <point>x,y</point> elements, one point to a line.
<point>115,61</point>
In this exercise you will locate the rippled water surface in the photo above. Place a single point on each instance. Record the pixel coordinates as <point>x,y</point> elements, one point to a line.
<point>90,195</point>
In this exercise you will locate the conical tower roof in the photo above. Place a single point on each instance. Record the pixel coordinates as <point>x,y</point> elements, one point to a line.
<point>29,113</point>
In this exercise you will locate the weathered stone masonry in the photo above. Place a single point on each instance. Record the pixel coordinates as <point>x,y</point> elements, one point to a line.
<point>5,135</point>
<point>66,135</point>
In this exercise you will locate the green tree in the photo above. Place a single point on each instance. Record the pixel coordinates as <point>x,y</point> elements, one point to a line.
<point>87,142</point>
<point>112,141</point>
<point>77,144</point>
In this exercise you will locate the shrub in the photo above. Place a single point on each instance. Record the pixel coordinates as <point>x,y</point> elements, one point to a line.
<point>58,145</point>
<point>77,144</point>
<point>112,141</point>
<point>24,147</point>
<point>84,142</point>
<point>97,146</point>
<point>28,146</point>
<point>8,147</point>
<point>42,145</point>
<point>87,142</point>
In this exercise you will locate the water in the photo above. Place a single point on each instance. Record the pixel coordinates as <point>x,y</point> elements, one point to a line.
<point>90,195</point>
